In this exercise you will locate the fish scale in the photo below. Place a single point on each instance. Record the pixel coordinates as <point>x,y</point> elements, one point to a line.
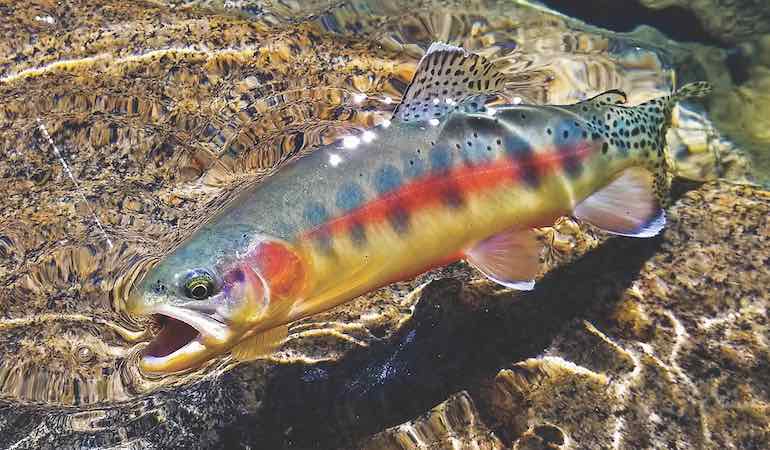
<point>448,178</point>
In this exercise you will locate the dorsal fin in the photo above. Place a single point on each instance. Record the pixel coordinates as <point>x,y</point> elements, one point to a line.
<point>611,97</point>
<point>446,76</point>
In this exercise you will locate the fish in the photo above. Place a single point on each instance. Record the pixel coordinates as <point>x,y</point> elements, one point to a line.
<point>448,178</point>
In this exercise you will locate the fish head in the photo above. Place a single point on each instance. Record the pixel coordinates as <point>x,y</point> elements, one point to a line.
<point>204,305</point>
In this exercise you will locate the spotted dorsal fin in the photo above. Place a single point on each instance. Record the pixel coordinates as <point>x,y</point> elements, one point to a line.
<point>445,77</point>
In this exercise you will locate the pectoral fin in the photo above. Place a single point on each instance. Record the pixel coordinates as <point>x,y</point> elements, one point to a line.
<point>627,206</point>
<point>511,258</point>
<point>262,344</point>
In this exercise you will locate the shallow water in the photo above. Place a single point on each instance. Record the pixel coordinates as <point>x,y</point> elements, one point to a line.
<point>124,128</point>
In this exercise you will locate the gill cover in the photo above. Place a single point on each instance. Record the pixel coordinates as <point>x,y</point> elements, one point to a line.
<point>283,275</point>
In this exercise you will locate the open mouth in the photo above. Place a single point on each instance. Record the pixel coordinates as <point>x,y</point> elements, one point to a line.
<point>174,334</point>
<point>186,337</point>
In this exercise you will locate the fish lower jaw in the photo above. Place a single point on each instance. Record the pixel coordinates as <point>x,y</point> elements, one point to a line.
<point>181,359</point>
<point>180,344</point>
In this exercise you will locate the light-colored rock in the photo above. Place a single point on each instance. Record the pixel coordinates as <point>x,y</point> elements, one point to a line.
<point>454,424</point>
<point>742,111</point>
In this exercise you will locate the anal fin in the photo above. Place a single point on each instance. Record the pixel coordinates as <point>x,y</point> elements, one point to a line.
<point>511,258</point>
<point>262,344</point>
<point>627,206</point>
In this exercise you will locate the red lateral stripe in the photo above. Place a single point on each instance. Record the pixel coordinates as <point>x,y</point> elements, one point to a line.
<point>430,190</point>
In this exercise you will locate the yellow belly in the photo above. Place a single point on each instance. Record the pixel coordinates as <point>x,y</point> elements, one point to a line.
<point>436,234</point>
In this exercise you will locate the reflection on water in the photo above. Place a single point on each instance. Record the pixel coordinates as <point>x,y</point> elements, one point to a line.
<point>123,129</point>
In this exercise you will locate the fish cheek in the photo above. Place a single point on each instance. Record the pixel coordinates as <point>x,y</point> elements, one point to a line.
<point>245,296</point>
<point>263,285</point>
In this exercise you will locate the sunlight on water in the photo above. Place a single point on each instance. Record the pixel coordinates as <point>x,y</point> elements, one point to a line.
<point>123,138</point>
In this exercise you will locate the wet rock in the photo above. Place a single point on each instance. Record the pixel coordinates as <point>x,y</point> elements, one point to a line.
<point>161,113</point>
<point>742,108</point>
<point>699,151</point>
<point>454,423</point>
<point>729,20</point>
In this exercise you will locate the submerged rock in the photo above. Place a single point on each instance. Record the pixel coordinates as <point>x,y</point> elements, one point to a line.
<point>729,20</point>
<point>742,110</point>
<point>123,128</point>
<point>699,151</point>
<point>455,423</point>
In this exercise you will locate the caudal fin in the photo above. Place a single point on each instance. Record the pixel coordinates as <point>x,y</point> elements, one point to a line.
<point>697,89</point>
<point>659,163</point>
<point>692,90</point>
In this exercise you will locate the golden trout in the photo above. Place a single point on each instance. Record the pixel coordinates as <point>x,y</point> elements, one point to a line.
<point>448,178</point>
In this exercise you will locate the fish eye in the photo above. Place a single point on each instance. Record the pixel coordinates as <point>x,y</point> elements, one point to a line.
<point>199,285</point>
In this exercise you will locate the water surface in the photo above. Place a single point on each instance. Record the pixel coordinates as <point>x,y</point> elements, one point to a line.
<point>125,126</point>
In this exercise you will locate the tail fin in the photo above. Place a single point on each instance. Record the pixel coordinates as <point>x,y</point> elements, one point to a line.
<point>663,174</point>
<point>692,90</point>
